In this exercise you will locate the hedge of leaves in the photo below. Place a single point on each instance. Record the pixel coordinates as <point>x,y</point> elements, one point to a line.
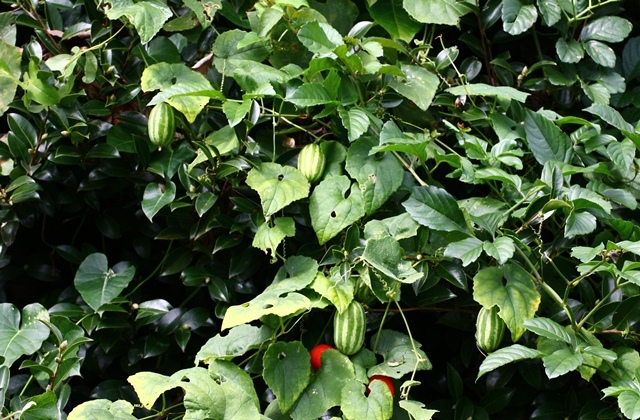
<point>477,154</point>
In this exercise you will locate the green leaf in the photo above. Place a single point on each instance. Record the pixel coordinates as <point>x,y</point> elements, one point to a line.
<point>309,94</point>
<point>601,53</point>
<point>18,339</point>
<point>548,328</point>
<point>394,19</point>
<point>45,406</point>
<point>231,50</point>
<point>398,227</point>
<point>286,371</point>
<point>630,58</point>
<point>586,253</point>
<point>236,342</point>
<point>280,298</point>
<point>440,12</point>
<point>435,208</point>
<point>518,300</point>
<point>174,80</point>
<point>9,73</point>
<point>103,409</point>
<point>320,38</point>
<point>468,250</point>
<point>224,140</point>
<point>337,287</point>
<point>579,223</point>
<point>419,85</point>
<point>502,249</point>
<point>149,386</point>
<point>398,354</point>
<point>385,255</point>
<point>205,10</point>
<point>503,356</point>
<point>610,116</point>
<point>203,396</point>
<point>416,409</point>
<point>98,284</point>
<point>269,237</point>
<point>241,400</point>
<point>147,16</point>
<point>561,362</point>
<point>546,141</point>
<point>622,153</point>
<point>236,111</point>
<point>481,89</point>
<point>629,403</point>
<point>377,405</point>
<point>518,17</point>
<point>355,120</point>
<point>277,185</point>
<point>335,204</point>
<point>378,177</point>
<point>156,196</point>
<point>606,28</point>
<point>550,10</point>
<point>325,389</point>
<point>569,51</point>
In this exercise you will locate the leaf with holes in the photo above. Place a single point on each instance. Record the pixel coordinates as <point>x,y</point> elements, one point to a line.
<point>335,204</point>
<point>286,371</point>
<point>281,297</point>
<point>378,176</point>
<point>277,185</point>
<point>98,284</point>
<point>269,237</point>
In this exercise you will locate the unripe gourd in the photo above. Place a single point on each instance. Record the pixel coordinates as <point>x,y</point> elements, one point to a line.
<point>162,125</point>
<point>349,328</point>
<point>311,162</point>
<point>489,329</point>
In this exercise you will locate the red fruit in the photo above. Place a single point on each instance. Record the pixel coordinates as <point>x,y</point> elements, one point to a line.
<point>384,379</point>
<point>316,352</point>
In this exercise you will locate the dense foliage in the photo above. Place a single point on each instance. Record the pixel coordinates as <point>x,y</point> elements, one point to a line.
<point>193,190</point>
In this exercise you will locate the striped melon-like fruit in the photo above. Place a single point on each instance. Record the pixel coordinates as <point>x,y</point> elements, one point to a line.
<point>349,328</point>
<point>311,162</point>
<point>489,329</point>
<point>162,125</point>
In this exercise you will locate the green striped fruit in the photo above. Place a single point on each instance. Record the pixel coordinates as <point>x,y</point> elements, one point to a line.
<point>311,162</point>
<point>349,328</point>
<point>489,329</point>
<point>162,125</point>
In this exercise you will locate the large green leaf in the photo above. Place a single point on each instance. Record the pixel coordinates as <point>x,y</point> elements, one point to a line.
<point>18,339</point>
<point>147,16</point>
<point>394,19</point>
<point>611,116</point>
<point>518,299</point>
<point>417,410</point>
<point>378,177</point>
<point>149,386</point>
<point>560,362</point>
<point>441,12</point>
<point>269,237</point>
<point>241,400</point>
<point>419,85</point>
<point>437,209</point>
<point>506,355</point>
<point>98,284</point>
<point>570,51</point>
<point>281,297</point>
<point>277,185</point>
<point>286,371</point>
<point>325,389</point>
<point>335,204</point>
<point>319,38</point>
<point>601,53</point>
<point>606,28</point>
<point>482,89</point>
<point>467,250</point>
<point>546,141</point>
<point>550,10</point>
<point>176,83</point>
<point>9,73</point>
<point>309,94</point>
<point>517,16</point>
<point>103,409</point>
<point>355,120</point>
<point>336,287</point>
<point>203,396</point>
<point>548,328</point>
<point>236,342</point>
<point>378,404</point>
